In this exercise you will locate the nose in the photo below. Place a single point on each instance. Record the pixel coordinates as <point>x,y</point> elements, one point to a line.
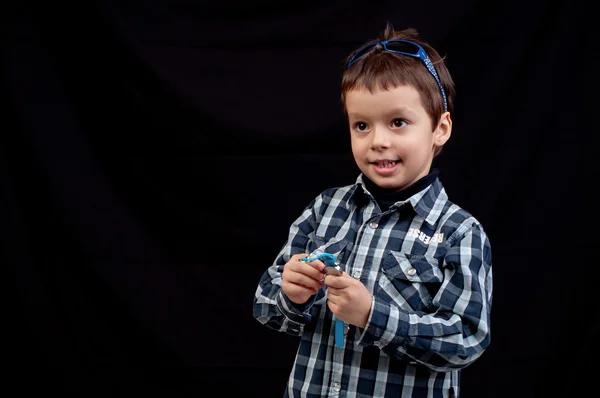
<point>380,138</point>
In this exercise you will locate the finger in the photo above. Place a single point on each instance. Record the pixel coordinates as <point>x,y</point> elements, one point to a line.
<point>334,290</point>
<point>332,306</point>
<point>335,299</point>
<point>304,280</point>
<point>317,264</point>
<point>306,269</point>
<point>292,289</point>
<point>332,293</point>
<point>336,281</point>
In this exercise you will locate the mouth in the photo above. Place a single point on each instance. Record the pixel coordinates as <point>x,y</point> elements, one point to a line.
<point>385,164</point>
<point>385,167</point>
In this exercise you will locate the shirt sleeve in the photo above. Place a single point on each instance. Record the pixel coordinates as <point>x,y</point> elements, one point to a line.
<point>271,306</point>
<point>458,332</point>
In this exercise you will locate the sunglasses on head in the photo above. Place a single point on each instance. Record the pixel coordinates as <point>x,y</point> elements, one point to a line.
<point>403,47</point>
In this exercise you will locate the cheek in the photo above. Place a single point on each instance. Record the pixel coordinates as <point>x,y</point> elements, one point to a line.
<point>418,145</point>
<point>357,146</point>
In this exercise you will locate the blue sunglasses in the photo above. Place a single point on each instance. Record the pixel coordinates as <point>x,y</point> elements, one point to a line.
<point>403,47</point>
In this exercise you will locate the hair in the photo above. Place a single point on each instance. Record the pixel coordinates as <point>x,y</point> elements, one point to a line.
<point>379,69</point>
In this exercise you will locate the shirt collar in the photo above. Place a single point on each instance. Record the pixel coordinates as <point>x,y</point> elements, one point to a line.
<point>427,203</point>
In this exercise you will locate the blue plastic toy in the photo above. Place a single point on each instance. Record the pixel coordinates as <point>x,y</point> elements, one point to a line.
<point>331,268</point>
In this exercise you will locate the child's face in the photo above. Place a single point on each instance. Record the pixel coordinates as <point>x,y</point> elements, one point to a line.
<point>391,135</point>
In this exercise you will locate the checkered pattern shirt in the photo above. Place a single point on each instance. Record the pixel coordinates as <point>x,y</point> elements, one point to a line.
<point>427,263</point>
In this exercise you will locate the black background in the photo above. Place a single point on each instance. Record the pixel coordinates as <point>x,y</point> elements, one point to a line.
<point>154,153</point>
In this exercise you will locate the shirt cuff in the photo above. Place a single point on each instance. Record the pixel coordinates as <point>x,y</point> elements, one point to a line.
<point>294,312</point>
<point>386,324</point>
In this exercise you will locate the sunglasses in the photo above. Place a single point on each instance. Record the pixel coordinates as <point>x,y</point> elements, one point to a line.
<point>403,47</point>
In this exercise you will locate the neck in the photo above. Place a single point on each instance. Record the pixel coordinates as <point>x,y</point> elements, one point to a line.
<point>386,197</point>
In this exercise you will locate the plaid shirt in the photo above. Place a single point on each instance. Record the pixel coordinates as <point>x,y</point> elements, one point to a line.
<point>427,263</point>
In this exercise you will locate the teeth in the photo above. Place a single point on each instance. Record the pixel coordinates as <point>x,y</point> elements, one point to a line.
<point>386,164</point>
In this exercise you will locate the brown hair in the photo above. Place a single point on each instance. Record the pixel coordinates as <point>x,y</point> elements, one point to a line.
<point>385,70</point>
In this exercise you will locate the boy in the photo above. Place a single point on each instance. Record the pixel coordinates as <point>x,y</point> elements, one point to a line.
<point>415,295</point>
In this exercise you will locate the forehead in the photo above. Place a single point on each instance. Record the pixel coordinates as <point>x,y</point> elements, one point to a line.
<point>362,101</point>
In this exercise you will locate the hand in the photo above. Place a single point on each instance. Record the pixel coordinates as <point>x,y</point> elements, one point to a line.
<point>348,299</point>
<point>301,280</point>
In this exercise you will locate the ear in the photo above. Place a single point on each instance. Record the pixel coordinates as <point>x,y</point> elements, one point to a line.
<point>443,131</point>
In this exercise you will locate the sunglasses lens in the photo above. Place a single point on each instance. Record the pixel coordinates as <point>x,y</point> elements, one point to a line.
<point>362,52</point>
<point>403,47</point>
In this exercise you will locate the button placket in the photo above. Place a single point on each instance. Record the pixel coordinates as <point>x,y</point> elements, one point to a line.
<point>337,387</point>
<point>337,369</point>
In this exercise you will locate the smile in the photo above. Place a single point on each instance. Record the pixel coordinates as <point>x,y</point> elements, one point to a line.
<point>385,168</point>
<point>385,163</point>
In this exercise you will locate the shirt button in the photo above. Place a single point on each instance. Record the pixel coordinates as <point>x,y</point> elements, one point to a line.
<point>411,272</point>
<point>356,274</point>
<point>337,387</point>
<point>373,225</point>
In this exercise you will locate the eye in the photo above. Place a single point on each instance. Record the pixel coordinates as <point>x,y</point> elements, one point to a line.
<point>361,126</point>
<point>398,123</point>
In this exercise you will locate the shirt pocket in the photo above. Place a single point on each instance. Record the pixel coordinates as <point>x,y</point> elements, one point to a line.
<point>410,281</point>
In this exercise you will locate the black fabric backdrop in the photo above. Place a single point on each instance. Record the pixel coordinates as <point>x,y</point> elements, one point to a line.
<point>154,153</point>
